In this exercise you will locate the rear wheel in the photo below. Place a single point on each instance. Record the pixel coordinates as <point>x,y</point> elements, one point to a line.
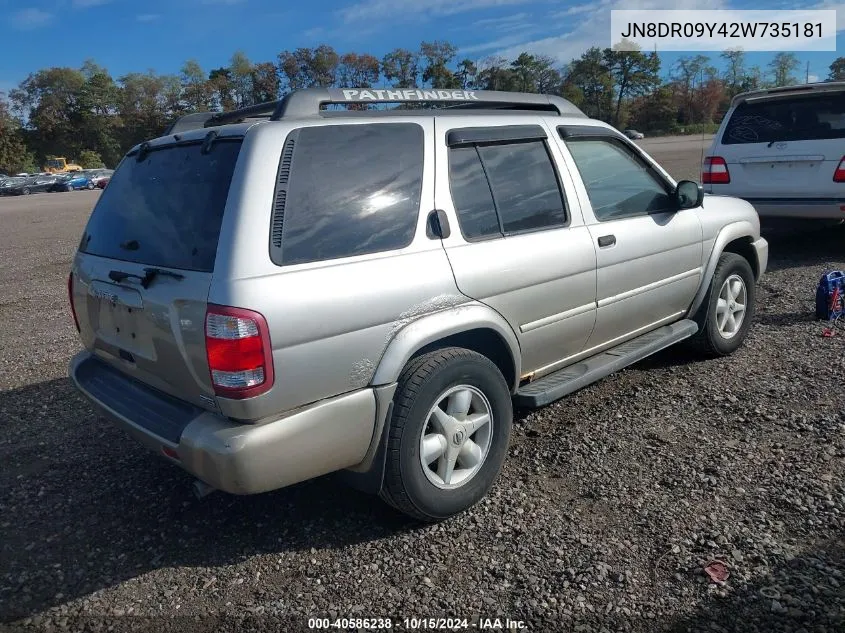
<point>725,317</point>
<point>449,434</point>
<point>90,186</point>
<point>26,191</point>
<point>69,188</point>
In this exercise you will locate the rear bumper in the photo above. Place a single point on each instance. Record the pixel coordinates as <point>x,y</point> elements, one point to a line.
<point>330,435</point>
<point>810,209</point>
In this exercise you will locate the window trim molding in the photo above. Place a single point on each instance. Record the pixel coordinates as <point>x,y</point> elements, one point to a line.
<point>567,217</point>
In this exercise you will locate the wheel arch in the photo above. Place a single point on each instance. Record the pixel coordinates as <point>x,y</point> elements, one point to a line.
<point>473,326</point>
<point>738,238</point>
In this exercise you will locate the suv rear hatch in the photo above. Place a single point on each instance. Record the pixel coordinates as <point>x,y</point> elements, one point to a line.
<point>784,145</point>
<point>141,278</point>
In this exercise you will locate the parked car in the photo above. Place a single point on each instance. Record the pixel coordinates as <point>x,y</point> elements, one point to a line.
<point>8,184</point>
<point>71,182</point>
<point>97,175</point>
<point>419,272</point>
<point>783,150</point>
<point>102,182</point>
<point>29,185</point>
<point>634,135</point>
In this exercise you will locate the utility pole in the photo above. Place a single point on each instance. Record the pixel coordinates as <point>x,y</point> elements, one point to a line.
<point>807,78</point>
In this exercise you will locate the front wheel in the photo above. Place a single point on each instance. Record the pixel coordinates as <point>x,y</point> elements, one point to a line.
<point>26,191</point>
<point>69,188</point>
<point>90,186</point>
<point>725,316</point>
<point>449,434</point>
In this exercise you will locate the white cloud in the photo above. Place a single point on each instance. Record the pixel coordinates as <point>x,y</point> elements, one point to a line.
<point>147,17</point>
<point>390,9</point>
<point>591,29</point>
<point>813,79</point>
<point>27,19</point>
<point>515,22</point>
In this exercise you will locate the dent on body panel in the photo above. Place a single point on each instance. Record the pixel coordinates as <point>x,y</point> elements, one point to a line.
<point>362,371</point>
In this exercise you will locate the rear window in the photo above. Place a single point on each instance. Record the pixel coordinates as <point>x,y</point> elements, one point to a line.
<point>165,210</point>
<point>347,190</point>
<point>808,117</point>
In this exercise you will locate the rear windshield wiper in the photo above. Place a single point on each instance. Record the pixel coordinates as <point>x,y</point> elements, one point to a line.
<point>147,278</point>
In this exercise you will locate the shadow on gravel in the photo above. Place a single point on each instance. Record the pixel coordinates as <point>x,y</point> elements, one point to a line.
<point>83,507</point>
<point>803,594</point>
<point>794,244</point>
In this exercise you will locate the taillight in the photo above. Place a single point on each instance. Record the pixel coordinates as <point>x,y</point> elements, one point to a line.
<point>70,299</point>
<point>715,171</point>
<point>839,174</point>
<point>239,355</point>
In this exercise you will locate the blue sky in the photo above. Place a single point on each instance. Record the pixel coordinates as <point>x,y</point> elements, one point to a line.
<point>137,35</point>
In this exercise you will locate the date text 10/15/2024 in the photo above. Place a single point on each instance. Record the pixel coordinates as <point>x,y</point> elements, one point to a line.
<point>417,624</point>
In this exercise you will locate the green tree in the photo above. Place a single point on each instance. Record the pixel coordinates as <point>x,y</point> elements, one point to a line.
<point>401,68</point>
<point>837,69</point>
<point>196,91</point>
<point>593,78</point>
<point>495,73</point>
<point>307,67</point>
<point>467,73</point>
<point>89,159</point>
<point>265,82</point>
<point>533,73</point>
<point>437,56</point>
<point>634,73</point>
<point>358,70</point>
<point>690,73</point>
<point>735,75</point>
<point>240,74</point>
<point>654,112</point>
<point>220,88</point>
<point>782,66</point>
<point>14,155</point>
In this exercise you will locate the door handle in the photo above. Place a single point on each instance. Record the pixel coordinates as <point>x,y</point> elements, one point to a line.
<point>607,240</point>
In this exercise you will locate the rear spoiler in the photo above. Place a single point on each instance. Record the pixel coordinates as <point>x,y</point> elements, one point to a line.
<point>310,101</point>
<point>789,91</point>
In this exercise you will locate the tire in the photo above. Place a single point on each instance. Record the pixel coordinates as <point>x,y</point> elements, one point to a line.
<point>25,191</point>
<point>417,490</point>
<point>716,337</point>
<point>69,188</point>
<point>89,186</point>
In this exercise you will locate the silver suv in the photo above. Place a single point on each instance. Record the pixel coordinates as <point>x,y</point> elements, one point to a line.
<point>290,290</point>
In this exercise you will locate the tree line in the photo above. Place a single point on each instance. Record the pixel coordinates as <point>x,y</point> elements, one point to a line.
<point>88,115</point>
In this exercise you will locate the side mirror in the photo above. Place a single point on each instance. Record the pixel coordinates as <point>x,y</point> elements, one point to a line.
<point>689,194</point>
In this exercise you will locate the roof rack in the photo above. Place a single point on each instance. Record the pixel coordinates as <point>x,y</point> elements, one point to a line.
<point>310,101</point>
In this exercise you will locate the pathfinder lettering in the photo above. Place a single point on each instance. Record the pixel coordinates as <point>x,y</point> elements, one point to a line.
<point>409,95</point>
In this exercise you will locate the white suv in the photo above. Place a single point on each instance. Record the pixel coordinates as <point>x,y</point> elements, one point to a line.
<point>783,150</point>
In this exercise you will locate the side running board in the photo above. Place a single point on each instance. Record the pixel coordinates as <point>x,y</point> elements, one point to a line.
<point>564,381</point>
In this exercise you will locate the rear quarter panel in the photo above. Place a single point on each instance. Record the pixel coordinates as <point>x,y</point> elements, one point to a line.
<point>330,322</point>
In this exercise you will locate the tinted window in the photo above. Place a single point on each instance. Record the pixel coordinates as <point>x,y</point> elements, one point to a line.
<point>524,185</point>
<point>354,189</point>
<point>471,194</point>
<point>166,209</point>
<point>618,182</point>
<point>787,119</point>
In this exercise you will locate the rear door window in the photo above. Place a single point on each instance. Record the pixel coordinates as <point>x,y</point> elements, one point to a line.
<point>806,117</point>
<point>347,190</point>
<point>166,209</point>
<point>503,189</point>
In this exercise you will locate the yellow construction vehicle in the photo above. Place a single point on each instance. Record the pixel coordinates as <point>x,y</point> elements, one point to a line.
<point>59,165</point>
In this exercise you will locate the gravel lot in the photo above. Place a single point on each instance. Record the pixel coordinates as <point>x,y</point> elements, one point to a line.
<point>610,504</point>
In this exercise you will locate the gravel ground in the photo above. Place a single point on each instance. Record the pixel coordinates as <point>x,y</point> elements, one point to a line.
<point>611,502</point>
